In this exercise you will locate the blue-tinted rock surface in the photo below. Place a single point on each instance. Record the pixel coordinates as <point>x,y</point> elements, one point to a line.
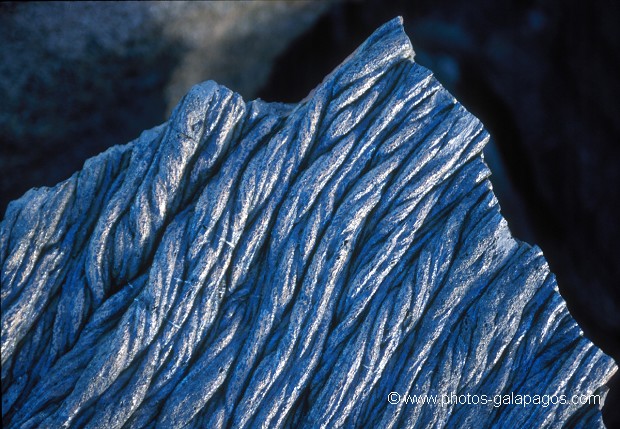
<point>251,264</point>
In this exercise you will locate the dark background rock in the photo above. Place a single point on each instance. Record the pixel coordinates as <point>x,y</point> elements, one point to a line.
<point>542,76</point>
<point>79,77</point>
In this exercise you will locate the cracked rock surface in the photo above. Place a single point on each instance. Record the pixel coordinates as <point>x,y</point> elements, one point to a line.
<point>254,264</point>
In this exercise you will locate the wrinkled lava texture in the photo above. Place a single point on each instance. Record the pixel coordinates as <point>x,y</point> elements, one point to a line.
<point>251,264</point>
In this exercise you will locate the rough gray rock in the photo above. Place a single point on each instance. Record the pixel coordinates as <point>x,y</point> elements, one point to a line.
<point>251,264</point>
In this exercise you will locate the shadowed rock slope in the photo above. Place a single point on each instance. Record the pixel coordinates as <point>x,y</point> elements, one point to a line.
<point>249,264</point>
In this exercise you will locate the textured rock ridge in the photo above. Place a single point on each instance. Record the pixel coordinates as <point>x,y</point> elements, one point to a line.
<point>256,264</point>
